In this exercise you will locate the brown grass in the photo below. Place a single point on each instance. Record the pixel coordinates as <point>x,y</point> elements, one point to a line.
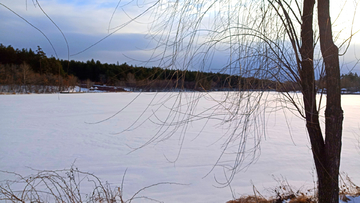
<point>253,199</point>
<point>250,199</point>
<point>66,186</point>
<point>285,192</point>
<point>302,199</point>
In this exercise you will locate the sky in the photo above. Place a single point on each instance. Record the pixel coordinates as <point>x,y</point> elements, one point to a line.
<point>86,23</point>
<point>83,23</point>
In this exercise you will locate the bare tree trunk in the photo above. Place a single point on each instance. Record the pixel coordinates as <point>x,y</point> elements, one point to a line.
<point>326,152</point>
<point>328,173</point>
<point>308,84</point>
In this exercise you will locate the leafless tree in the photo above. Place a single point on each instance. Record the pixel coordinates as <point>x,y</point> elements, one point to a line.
<point>266,39</point>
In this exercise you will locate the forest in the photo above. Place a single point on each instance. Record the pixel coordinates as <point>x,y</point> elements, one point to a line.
<point>32,70</point>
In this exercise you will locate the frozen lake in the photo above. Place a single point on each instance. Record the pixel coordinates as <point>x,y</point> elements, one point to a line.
<point>54,131</point>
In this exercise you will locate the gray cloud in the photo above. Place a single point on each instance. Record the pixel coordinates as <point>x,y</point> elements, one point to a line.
<point>84,23</point>
<point>82,30</point>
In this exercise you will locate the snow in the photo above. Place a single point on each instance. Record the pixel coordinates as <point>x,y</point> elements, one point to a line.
<point>52,131</point>
<point>351,200</point>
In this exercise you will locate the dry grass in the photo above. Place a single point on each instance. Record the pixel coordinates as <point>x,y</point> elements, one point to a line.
<point>348,188</point>
<point>302,199</point>
<point>291,199</point>
<point>285,192</point>
<point>68,185</point>
<point>250,199</point>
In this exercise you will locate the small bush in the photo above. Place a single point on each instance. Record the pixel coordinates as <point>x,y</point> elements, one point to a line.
<point>66,185</point>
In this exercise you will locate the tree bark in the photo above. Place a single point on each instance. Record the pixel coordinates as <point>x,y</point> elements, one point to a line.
<point>329,172</point>
<point>326,152</point>
<point>308,84</point>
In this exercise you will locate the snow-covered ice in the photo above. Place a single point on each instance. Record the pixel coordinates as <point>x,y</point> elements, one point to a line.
<point>52,131</point>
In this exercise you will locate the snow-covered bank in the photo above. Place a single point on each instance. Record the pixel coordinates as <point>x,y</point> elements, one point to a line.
<point>53,131</point>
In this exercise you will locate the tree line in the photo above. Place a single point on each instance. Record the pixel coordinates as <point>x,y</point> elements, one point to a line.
<point>156,78</point>
<point>27,67</point>
<point>351,82</point>
<point>26,70</point>
<point>37,60</point>
<point>43,70</point>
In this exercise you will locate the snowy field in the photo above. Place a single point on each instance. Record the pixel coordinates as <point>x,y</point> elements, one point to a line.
<point>52,131</point>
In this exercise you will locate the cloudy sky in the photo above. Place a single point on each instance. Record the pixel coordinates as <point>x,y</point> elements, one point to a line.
<point>83,22</point>
<point>86,22</point>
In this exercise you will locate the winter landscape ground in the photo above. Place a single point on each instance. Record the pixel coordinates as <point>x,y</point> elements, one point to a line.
<point>54,131</point>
